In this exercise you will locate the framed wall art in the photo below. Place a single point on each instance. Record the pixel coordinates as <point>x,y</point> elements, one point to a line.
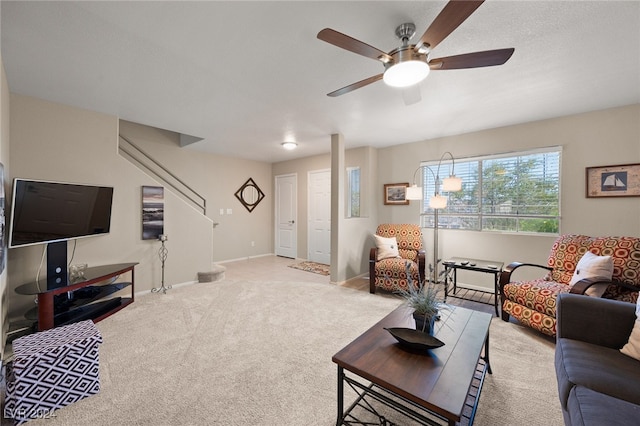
<point>152,212</point>
<point>622,180</point>
<point>396,193</point>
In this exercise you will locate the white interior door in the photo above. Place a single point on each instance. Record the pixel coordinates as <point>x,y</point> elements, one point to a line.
<point>286,211</point>
<point>319,206</point>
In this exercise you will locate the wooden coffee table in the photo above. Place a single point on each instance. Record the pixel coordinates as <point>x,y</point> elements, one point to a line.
<point>428,386</point>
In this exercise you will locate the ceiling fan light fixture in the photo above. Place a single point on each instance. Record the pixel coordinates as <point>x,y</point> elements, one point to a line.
<point>289,145</point>
<point>406,73</point>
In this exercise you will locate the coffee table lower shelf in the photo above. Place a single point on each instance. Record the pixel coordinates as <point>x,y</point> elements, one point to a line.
<point>364,411</point>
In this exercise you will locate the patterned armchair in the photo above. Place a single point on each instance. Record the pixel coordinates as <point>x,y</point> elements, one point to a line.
<point>533,303</point>
<point>390,273</point>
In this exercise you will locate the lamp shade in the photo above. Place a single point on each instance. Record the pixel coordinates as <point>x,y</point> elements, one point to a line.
<point>406,73</point>
<point>452,184</point>
<point>438,202</point>
<point>414,192</point>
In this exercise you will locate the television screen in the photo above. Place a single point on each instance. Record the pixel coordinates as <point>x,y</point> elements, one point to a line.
<point>43,212</point>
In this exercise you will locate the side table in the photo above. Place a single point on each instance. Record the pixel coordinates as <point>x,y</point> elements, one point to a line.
<point>452,265</point>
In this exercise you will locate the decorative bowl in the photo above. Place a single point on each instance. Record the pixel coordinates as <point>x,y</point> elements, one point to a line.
<point>414,339</point>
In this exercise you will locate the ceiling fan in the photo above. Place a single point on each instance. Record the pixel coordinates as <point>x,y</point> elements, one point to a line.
<point>409,64</point>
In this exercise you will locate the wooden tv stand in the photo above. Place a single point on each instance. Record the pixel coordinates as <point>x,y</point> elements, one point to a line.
<point>95,297</point>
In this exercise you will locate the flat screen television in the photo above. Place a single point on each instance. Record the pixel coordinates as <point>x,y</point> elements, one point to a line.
<point>46,212</point>
<point>52,213</point>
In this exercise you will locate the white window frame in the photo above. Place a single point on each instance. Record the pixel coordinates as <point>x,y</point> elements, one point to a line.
<point>353,189</point>
<point>445,215</point>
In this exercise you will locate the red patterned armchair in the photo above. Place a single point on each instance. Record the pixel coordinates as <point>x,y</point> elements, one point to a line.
<point>533,303</point>
<point>387,265</point>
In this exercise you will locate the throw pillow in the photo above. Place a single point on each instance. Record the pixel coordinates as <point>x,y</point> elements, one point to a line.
<point>596,267</point>
<point>387,247</point>
<point>632,348</point>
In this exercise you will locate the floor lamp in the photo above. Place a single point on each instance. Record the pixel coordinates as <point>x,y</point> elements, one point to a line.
<point>437,201</point>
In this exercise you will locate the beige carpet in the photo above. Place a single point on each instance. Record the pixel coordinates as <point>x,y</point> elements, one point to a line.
<point>248,353</point>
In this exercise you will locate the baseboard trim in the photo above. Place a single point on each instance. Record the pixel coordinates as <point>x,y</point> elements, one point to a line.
<point>244,258</point>
<point>186,283</point>
<point>353,279</point>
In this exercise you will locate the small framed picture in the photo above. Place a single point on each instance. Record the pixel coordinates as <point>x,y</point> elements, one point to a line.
<point>613,181</point>
<point>152,212</point>
<point>396,193</point>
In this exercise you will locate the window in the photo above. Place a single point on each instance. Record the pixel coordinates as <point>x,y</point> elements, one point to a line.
<point>353,194</point>
<point>515,192</point>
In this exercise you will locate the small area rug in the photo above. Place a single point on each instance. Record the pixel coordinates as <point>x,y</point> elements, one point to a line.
<point>316,268</point>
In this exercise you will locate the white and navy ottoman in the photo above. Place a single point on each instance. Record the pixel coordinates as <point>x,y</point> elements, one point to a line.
<point>52,369</point>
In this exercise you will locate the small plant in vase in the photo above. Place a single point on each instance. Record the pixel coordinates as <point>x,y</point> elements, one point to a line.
<point>424,298</point>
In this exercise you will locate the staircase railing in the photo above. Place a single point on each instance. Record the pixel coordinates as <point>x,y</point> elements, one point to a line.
<point>136,155</point>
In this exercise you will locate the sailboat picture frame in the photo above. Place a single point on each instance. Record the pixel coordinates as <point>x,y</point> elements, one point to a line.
<point>622,180</point>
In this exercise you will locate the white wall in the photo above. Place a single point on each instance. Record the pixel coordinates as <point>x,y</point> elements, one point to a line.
<point>598,138</point>
<point>355,236</point>
<point>301,167</point>
<point>56,142</point>
<point>217,179</point>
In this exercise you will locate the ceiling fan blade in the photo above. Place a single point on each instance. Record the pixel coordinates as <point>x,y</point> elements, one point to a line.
<point>351,44</point>
<point>472,60</point>
<point>355,86</point>
<point>453,14</point>
<point>411,95</point>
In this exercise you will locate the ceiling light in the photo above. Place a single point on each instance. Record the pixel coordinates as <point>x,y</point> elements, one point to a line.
<point>406,73</point>
<point>289,145</point>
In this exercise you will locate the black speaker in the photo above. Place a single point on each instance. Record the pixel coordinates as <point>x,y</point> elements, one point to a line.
<point>57,265</point>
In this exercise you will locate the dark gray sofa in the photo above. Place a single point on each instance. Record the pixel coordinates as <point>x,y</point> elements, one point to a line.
<point>597,384</point>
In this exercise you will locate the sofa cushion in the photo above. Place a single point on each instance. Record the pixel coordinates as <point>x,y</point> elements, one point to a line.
<point>632,348</point>
<point>564,255</point>
<point>387,247</point>
<point>590,408</point>
<point>594,267</point>
<point>526,316</point>
<point>598,368</point>
<point>625,252</point>
<point>409,236</point>
<point>391,274</point>
<point>539,295</point>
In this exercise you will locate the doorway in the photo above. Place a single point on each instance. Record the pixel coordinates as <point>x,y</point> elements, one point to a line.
<point>285,216</point>
<point>319,212</point>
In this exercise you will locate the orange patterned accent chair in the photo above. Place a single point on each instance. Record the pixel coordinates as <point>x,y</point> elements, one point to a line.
<point>391,273</point>
<point>533,303</point>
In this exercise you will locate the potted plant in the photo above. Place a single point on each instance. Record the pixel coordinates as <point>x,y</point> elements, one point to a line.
<point>424,298</point>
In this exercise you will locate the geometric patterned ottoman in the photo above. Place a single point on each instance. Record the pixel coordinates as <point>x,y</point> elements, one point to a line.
<point>52,369</point>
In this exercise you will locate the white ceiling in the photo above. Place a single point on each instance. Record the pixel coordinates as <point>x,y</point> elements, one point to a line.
<point>246,76</point>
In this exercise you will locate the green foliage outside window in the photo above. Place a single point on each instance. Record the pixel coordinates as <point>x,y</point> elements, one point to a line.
<point>514,193</point>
